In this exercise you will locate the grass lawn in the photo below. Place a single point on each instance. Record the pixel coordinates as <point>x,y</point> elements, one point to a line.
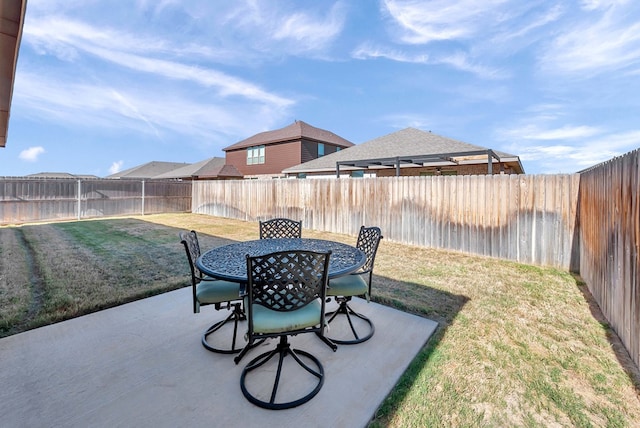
<point>518,345</point>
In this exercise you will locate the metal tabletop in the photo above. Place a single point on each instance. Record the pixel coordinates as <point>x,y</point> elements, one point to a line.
<point>229,262</point>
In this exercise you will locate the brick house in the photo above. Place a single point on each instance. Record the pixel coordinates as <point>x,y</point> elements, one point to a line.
<point>268,153</point>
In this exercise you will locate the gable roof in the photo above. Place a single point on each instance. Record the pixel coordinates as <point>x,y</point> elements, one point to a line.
<point>148,170</point>
<point>208,168</point>
<point>296,131</point>
<point>407,142</point>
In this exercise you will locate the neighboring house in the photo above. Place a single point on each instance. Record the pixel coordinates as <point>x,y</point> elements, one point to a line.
<point>62,175</point>
<point>410,152</point>
<point>270,152</point>
<point>148,170</point>
<point>208,169</point>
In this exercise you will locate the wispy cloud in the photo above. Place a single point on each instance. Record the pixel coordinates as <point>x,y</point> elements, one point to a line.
<point>601,40</point>
<point>368,51</point>
<point>310,32</point>
<point>31,154</point>
<point>423,22</point>
<point>146,110</point>
<point>237,31</point>
<point>116,167</point>
<point>462,62</point>
<point>555,158</point>
<point>555,147</point>
<point>140,82</point>
<point>458,60</point>
<point>524,29</point>
<point>67,38</point>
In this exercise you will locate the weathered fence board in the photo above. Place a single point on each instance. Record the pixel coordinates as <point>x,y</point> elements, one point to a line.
<point>527,218</point>
<point>610,236</point>
<point>37,199</point>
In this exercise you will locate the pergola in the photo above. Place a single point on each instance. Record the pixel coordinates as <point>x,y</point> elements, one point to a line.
<point>433,160</point>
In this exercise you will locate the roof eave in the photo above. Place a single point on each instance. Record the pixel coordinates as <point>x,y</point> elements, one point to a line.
<point>11,25</point>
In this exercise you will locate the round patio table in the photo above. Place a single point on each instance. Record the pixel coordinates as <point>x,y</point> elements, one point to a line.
<point>229,262</point>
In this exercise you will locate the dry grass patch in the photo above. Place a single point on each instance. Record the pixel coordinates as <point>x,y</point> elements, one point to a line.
<point>16,294</point>
<point>521,349</point>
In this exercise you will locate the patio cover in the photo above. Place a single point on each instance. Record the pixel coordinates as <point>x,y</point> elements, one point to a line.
<point>11,22</point>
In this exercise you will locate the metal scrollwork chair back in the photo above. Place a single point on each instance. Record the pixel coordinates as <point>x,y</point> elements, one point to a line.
<point>356,284</point>
<point>210,291</point>
<point>286,294</point>
<point>280,228</point>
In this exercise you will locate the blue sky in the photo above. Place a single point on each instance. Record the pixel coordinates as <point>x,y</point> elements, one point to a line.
<point>106,85</point>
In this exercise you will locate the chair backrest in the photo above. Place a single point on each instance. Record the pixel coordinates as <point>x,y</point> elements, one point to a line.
<point>368,241</point>
<point>280,228</point>
<point>287,280</point>
<point>192,248</point>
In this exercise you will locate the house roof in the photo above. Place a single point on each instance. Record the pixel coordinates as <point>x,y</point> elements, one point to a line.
<point>148,170</point>
<point>296,131</point>
<point>408,142</point>
<point>11,23</point>
<point>61,175</point>
<point>208,168</point>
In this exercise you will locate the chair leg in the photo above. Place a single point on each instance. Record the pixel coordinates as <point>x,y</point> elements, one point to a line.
<point>236,315</point>
<point>345,309</point>
<point>328,341</point>
<point>282,350</point>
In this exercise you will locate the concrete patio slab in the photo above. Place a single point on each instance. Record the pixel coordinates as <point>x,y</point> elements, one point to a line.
<point>142,364</point>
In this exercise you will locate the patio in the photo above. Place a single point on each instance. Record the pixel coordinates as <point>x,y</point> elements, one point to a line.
<point>142,364</point>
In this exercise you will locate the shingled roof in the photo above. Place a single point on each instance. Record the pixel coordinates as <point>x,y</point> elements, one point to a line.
<point>404,143</point>
<point>296,131</point>
<point>208,168</point>
<point>61,175</point>
<point>148,170</point>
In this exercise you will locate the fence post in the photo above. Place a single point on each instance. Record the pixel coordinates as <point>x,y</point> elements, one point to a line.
<point>79,198</point>
<point>142,197</point>
<point>490,162</point>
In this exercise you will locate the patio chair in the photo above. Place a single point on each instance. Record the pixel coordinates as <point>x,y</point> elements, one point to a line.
<point>356,284</point>
<point>280,228</point>
<point>285,297</point>
<point>210,291</point>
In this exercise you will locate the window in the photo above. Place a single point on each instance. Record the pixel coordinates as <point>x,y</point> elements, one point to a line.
<point>320,149</point>
<point>338,149</point>
<point>357,174</point>
<point>302,175</point>
<point>255,155</point>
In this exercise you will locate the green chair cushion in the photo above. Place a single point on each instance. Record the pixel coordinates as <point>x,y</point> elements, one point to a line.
<point>217,291</point>
<point>269,321</point>
<point>348,285</point>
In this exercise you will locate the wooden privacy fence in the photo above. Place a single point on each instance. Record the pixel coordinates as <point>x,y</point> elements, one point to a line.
<point>610,236</point>
<point>526,218</point>
<point>36,199</point>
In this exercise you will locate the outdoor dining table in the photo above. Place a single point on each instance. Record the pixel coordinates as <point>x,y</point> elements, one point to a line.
<point>229,262</point>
